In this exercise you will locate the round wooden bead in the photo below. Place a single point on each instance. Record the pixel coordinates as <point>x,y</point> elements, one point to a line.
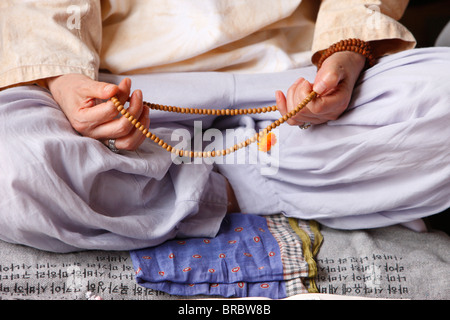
<point>231,112</point>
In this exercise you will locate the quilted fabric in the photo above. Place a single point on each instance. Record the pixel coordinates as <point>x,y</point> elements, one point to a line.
<point>252,256</point>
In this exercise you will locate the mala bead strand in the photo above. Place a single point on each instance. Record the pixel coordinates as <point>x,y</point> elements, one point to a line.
<point>354,45</point>
<point>215,153</point>
<point>218,112</point>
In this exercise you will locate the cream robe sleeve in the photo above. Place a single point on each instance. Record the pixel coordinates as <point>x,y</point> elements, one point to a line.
<point>375,21</point>
<point>41,39</point>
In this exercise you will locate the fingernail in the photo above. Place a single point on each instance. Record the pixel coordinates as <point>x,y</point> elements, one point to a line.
<point>319,87</point>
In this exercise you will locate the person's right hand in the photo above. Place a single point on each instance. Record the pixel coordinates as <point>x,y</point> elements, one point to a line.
<point>77,95</point>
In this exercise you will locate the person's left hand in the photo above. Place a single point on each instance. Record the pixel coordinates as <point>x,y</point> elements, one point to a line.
<point>334,85</point>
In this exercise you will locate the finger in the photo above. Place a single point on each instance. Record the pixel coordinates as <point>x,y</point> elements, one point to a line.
<point>135,138</point>
<point>116,128</point>
<point>292,94</point>
<point>104,91</point>
<point>92,89</point>
<point>93,112</point>
<point>135,109</point>
<point>136,104</point>
<point>281,102</point>
<point>290,98</point>
<point>282,107</point>
<point>90,118</point>
<point>99,115</point>
<point>124,90</point>
<point>328,77</point>
<point>298,92</point>
<point>109,110</point>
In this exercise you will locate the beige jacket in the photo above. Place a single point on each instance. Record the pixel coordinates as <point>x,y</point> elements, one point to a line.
<point>41,39</point>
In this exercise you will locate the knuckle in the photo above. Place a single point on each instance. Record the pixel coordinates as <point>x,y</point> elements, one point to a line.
<point>128,145</point>
<point>332,77</point>
<point>80,126</point>
<point>332,117</point>
<point>296,86</point>
<point>318,109</point>
<point>123,129</point>
<point>289,91</point>
<point>111,111</point>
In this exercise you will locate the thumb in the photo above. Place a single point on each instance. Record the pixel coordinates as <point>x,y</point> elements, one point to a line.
<point>101,90</point>
<point>328,78</point>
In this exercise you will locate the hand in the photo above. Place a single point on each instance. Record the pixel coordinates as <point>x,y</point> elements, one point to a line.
<point>77,95</point>
<point>334,84</point>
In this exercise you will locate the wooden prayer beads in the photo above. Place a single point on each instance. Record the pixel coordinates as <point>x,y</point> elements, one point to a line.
<point>354,45</point>
<point>222,112</point>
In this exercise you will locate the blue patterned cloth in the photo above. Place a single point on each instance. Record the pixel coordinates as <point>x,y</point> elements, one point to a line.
<point>245,259</point>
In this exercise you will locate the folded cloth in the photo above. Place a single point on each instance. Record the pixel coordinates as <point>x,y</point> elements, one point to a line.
<point>251,256</point>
